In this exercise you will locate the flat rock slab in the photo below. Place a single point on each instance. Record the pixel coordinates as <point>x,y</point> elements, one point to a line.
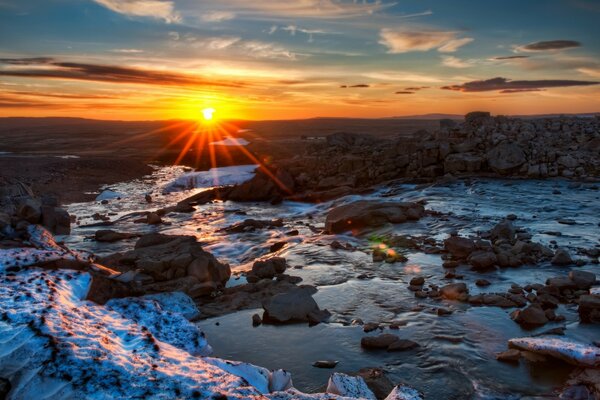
<point>576,353</point>
<point>363,213</point>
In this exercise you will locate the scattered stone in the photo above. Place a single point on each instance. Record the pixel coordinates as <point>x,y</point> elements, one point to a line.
<point>562,257</point>
<point>325,364</point>
<point>455,291</point>
<point>361,214</point>
<point>510,355</point>
<point>530,316</point>
<point>295,305</point>
<point>256,320</point>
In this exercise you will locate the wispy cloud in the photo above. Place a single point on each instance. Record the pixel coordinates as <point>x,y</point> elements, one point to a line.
<point>455,62</point>
<point>315,9</point>
<point>404,41</point>
<point>128,51</point>
<point>160,9</point>
<point>505,85</point>
<point>595,72</point>
<point>509,57</point>
<point>292,29</point>
<point>53,69</point>
<point>402,76</point>
<point>550,45</point>
<point>218,16</point>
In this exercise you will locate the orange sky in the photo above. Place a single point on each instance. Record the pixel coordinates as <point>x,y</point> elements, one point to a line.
<point>134,60</point>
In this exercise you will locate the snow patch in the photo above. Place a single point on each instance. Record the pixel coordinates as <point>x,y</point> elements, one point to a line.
<point>570,351</point>
<point>231,141</point>
<point>404,393</point>
<point>595,291</point>
<point>109,195</point>
<point>221,176</point>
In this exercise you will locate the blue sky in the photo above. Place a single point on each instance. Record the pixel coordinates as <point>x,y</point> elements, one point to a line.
<point>271,59</point>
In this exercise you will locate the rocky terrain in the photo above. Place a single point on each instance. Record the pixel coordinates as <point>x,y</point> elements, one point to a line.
<point>371,213</point>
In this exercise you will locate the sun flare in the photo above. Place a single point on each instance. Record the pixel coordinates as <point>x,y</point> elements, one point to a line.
<point>207,113</point>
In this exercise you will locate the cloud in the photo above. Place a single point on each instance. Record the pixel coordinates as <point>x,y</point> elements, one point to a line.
<point>416,88</point>
<point>550,45</point>
<point>595,72</point>
<point>509,57</point>
<point>455,62</point>
<point>454,45</point>
<point>316,9</point>
<point>521,90</point>
<point>128,51</point>
<point>402,76</point>
<point>104,73</point>
<point>404,41</point>
<point>219,43</point>
<point>159,9</point>
<point>259,49</point>
<point>405,92</point>
<point>503,84</point>
<point>218,16</point>
<point>360,85</point>
<point>292,29</point>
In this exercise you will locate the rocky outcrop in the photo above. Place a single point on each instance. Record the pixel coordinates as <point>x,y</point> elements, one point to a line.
<point>19,207</point>
<point>293,306</point>
<point>173,263</point>
<point>361,214</point>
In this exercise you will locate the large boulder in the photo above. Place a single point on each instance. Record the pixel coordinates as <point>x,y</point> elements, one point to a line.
<point>364,213</point>
<point>531,316</point>
<point>293,306</point>
<point>589,308</point>
<point>506,158</point>
<point>459,247</point>
<point>173,258</point>
<point>455,291</point>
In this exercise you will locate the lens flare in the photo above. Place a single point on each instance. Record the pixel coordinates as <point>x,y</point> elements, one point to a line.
<point>207,113</point>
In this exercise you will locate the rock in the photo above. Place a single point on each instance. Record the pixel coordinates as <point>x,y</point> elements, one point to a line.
<point>455,291</point>
<point>503,230</point>
<point>530,316</point>
<point>377,381</point>
<point>402,392</point>
<point>295,305</point>
<point>177,259</point>
<point>267,269</point>
<point>462,162</point>
<point>567,350</point>
<point>482,282</point>
<point>482,260</point>
<point>506,158</point>
<point>459,247</point>
<point>56,219</point>
<point>363,213</point>
<point>153,219</point>
<point>417,281</point>
<point>325,364</point>
<point>582,279</point>
<point>349,386</point>
<point>510,355</point>
<point>382,341</point>
<point>561,257</point>
<point>347,139</point>
<point>110,236</point>
<point>256,320</point>
<point>476,118</point>
<point>402,345</point>
<point>253,224</point>
<point>589,308</point>
<point>370,327</point>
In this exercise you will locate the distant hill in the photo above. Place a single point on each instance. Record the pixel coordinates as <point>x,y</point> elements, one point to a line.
<point>430,116</point>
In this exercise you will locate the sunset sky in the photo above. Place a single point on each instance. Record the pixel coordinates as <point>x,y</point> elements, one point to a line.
<point>268,59</point>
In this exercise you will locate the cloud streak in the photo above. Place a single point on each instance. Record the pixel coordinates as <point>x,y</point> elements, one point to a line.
<point>159,9</point>
<point>53,69</point>
<point>400,41</point>
<point>550,45</point>
<point>504,85</point>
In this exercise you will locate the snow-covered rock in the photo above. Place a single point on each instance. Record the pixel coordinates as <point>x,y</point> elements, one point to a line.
<point>404,393</point>
<point>55,345</point>
<point>43,249</point>
<point>176,302</point>
<point>108,194</point>
<point>570,351</point>
<point>231,141</point>
<point>350,386</point>
<point>166,326</point>
<point>221,176</point>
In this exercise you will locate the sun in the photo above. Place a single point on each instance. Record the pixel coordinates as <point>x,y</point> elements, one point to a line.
<point>207,113</point>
